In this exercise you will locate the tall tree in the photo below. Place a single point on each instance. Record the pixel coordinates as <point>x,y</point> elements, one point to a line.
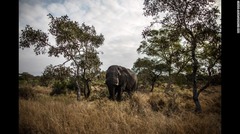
<point>196,22</point>
<point>75,43</point>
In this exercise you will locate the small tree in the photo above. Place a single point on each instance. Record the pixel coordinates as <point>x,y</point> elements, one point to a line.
<point>165,45</point>
<point>48,75</point>
<point>58,77</point>
<point>75,43</point>
<point>149,70</point>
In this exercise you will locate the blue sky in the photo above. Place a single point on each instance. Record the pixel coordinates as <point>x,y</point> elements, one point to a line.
<point>120,21</point>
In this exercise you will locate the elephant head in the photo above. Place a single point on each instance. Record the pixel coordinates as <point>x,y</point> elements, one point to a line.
<point>112,75</point>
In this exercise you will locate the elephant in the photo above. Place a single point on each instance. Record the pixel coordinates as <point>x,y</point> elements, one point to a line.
<point>118,80</point>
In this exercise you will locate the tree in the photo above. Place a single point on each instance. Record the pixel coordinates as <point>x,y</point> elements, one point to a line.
<point>164,44</point>
<point>75,43</point>
<point>149,70</point>
<point>196,22</point>
<point>48,75</point>
<point>58,77</point>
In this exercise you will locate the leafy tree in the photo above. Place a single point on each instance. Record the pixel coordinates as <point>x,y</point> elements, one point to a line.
<point>196,22</point>
<point>75,43</point>
<point>164,44</point>
<point>58,77</point>
<point>47,77</point>
<point>149,70</point>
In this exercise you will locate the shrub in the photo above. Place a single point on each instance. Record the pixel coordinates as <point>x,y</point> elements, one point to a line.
<point>27,92</point>
<point>59,88</point>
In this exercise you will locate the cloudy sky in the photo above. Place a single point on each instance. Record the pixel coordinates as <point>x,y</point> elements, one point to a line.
<point>120,21</point>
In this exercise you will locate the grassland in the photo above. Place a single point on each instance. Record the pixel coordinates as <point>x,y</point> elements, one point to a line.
<point>144,113</point>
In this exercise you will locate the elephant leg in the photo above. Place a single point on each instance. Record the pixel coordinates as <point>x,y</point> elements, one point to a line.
<point>120,92</point>
<point>119,95</point>
<point>130,94</point>
<point>116,91</point>
<point>112,93</point>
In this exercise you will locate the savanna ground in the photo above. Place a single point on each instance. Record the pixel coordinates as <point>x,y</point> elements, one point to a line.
<point>144,113</point>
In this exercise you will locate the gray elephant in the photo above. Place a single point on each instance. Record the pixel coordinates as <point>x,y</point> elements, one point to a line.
<point>118,80</point>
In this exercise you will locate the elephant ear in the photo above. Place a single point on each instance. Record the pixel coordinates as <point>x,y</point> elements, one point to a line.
<point>119,69</point>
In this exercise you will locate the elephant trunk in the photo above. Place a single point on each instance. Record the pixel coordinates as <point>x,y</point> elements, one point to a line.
<point>112,81</point>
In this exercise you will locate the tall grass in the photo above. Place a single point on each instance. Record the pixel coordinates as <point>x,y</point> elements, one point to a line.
<point>144,113</point>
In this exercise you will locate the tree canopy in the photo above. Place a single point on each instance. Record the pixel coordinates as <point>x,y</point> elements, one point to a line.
<point>196,23</point>
<point>76,43</point>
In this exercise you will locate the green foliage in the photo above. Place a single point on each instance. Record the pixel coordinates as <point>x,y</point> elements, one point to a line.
<point>59,87</point>
<point>149,70</point>
<point>30,37</point>
<point>28,79</point>
<point>71,84</point>
<point>76,43</point>
<point>52,73</point>
<point>196,23</point>
<point>25,76</point>
<point>164,47</point>
<point>182,80</point>
<point>188,19</point>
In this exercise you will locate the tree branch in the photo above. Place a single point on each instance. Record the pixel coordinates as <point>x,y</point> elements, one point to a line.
<point>62,63</point>
<point>209,76</point>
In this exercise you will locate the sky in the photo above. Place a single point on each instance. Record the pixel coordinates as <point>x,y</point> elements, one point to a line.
<point>120,21</point>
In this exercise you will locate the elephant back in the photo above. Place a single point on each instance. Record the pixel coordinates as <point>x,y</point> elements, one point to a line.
<point>131,78</point>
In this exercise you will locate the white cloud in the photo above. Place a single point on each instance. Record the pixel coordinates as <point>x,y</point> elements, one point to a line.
<point>35,15</point>
<point>121,22</point>
<point>57,9</point>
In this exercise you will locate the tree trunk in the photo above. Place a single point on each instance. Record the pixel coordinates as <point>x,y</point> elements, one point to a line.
<point>169,63</point>
<point>152,86</point>
<point>86,84</point>
<point>169,84</point>
<point>78,91</point>
<point>87,88</point>
<point>194,75</point>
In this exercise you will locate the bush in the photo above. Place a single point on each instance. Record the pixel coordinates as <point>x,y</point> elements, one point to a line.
<point>59,88</point>
<point>27,93</point>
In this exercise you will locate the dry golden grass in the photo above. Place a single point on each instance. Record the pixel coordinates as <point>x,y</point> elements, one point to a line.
<point>151,113</point>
